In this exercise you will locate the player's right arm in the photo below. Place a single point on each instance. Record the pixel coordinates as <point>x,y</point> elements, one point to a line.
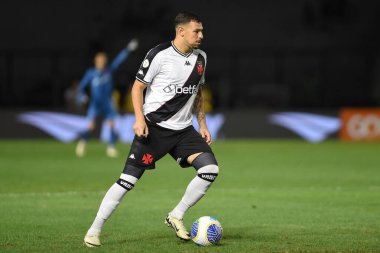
<point>140,128</point>
<point>145,75</point>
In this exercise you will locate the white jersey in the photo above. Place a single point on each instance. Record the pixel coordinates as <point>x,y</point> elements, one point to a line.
<point>173,79</point>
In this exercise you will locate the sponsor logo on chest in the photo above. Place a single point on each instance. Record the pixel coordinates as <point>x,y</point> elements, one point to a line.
<point>172,88</point>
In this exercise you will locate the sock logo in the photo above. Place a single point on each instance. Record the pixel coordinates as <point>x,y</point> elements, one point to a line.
<point>208,176</point>
<point>147,159</point>
<point>125,184</point>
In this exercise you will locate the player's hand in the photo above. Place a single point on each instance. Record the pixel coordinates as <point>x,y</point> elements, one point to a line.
<point>141,129</point>
<point>133,45</point>
<point>82,99</point>
<point>205,133</point>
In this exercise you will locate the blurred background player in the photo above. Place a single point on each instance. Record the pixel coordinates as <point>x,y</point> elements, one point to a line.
<point>99,79</point>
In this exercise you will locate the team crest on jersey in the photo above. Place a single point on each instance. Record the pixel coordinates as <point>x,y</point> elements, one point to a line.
<point>147,159</point>
<point>145,63</point>
<point>200,67</point>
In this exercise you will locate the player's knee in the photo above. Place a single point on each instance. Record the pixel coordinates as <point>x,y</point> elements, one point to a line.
<point>206,166</point>
<point>127,181</point>
<point>204,159</point>
<point>212,168</point>
<point>131,174</point>
<point>133,170</point>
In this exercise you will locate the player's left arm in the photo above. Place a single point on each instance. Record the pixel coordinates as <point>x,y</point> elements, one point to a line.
<point>199,111</point>
<point>123,55</point>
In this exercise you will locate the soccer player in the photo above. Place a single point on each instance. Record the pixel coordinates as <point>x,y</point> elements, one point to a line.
<point>166,91</point>
<point>100,81</point>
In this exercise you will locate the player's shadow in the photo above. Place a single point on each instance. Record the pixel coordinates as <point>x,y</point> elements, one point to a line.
<point>238,234</point>
<point>159,236</point>
<point>230,235</point>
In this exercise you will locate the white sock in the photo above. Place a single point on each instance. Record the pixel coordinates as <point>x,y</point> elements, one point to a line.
<point>110,201</point>
<point>194,192</point>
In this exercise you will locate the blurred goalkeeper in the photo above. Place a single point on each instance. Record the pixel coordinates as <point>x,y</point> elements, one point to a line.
<point>99,79</point>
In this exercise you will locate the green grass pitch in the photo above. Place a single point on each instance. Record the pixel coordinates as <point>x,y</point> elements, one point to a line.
<point>271,196</point>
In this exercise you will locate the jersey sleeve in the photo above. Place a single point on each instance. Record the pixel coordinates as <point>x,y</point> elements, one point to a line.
<point>149,68</point>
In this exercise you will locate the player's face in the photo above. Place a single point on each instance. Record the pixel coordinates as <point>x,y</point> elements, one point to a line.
<point>193,34</point>
<point>100,61</point>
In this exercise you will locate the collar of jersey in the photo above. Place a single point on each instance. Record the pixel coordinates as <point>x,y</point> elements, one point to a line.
<point>177,50</point>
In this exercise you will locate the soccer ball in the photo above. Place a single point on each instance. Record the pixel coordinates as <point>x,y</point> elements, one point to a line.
<point>206,231</point>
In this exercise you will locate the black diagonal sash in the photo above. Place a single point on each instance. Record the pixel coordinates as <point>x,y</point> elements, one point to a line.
<point>176,103</point>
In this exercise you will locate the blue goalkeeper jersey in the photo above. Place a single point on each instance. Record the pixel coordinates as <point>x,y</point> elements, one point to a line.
<point>101,81</point>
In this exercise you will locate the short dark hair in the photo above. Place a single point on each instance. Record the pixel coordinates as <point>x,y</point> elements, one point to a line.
<point>185,17</point>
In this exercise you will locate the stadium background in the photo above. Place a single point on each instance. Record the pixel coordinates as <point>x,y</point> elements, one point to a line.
<point>267,58</point>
